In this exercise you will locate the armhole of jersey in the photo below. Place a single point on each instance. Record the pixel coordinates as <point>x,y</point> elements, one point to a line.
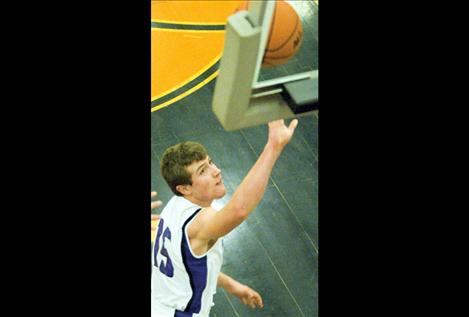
<point>189,241</point>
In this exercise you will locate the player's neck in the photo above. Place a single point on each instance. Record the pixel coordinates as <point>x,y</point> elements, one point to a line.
<point>198,202</point>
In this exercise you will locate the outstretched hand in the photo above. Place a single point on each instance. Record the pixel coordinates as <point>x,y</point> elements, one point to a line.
<point>279,134</point>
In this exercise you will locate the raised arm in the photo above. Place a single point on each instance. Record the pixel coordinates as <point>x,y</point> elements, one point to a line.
<point>212,225</point>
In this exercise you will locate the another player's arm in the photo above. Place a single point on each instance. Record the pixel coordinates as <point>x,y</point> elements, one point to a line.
<point>154,205</point>
<point>246,197</point>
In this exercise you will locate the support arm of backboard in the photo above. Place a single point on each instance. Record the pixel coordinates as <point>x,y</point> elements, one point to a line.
<point>239,101</point>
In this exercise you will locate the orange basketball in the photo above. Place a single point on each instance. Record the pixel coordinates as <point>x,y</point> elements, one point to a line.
<point>286,34</point>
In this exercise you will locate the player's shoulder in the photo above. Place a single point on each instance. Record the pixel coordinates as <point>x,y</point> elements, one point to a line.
<point>204,214</point>
<point>200,220</point>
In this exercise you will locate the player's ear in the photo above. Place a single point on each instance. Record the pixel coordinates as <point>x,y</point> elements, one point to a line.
<point>184,189</point>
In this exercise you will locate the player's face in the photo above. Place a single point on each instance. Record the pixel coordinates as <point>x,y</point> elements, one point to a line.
<point>207,182</point>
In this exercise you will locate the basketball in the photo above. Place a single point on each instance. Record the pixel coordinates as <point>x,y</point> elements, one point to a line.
<point>285,36</point>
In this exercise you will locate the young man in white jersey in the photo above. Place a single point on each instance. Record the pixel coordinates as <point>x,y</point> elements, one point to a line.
<point>188,251</point>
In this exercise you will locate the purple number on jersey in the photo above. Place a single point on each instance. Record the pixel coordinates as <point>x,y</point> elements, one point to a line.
<point>167,269</point>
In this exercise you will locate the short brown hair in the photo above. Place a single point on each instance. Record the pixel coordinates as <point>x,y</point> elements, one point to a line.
<point>175,160</point>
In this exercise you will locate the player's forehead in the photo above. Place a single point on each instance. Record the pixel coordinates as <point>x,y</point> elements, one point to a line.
<point>196,165</point>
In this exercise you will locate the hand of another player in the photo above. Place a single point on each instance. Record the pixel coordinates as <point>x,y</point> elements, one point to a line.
<point>155,204</point>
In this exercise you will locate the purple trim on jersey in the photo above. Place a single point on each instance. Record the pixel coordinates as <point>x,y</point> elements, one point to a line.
<point>197,270</point>
<point>182,314</point>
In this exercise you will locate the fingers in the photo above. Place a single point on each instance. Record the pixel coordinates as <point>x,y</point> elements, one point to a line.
<point>276,123</point>
<point>253,300</point>
<point>156,204</point>
<point>293,125</point>
<point>256,300</point>
<point>259,301</point>
<point>250,302</point>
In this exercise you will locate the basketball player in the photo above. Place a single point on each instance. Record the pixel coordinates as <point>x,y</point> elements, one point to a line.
<point>188,250</point>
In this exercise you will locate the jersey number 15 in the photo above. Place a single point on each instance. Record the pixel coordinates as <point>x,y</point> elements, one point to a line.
<point>167,269</point>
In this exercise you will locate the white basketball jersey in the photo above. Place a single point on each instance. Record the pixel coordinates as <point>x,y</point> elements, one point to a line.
<point>183,284</point>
